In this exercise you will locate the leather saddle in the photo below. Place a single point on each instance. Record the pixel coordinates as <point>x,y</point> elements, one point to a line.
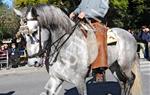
<point>111,37</point>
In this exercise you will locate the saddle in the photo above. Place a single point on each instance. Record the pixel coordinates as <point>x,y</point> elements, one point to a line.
<point>111,37</point>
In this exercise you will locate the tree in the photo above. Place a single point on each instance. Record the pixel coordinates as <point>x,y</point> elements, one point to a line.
<point>145,20</point>
<point>23,3</point>
<point>66,5</point>
<point>122,13</point>
<point>125,13</point>
<point>8,23</point>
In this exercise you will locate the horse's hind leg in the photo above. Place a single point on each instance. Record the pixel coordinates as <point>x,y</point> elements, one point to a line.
<point>53,85</point>
<point>125,78</point>
<point>117,72</point>
<point>129,83</point>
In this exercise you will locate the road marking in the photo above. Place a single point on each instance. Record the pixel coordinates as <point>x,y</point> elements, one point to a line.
<point>145,67</point>
<point>144,62</point>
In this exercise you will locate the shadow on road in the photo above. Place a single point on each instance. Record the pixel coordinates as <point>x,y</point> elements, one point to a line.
<point>103,88</point>
<point>9,93</point>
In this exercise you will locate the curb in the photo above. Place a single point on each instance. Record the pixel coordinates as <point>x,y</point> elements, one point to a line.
<point>21,70</point>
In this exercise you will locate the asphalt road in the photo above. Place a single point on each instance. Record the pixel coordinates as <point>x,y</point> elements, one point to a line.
<point>23,84</point>
<point>33,83</point>
<point>145,72</point>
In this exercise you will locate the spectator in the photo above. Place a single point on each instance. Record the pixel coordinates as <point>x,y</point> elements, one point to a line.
<point>3,50</point>
<point>5,46</point>
<point>13,56</point>
<point>130,31</point>
<point>144,37</point>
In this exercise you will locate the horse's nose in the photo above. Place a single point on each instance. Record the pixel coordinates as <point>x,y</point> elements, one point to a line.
<point>36,64</point>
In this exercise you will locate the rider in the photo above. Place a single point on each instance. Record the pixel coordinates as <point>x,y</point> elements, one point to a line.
<point>91,10</point>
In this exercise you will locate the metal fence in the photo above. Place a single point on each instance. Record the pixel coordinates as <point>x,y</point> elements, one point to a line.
<point>4,59</point>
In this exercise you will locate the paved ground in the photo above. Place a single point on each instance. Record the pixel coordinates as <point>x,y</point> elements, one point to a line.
<point>33,84</point>
<point>20,70</point>
<point>23,84</point>
<point>21,81</point>
<point>145,72</point>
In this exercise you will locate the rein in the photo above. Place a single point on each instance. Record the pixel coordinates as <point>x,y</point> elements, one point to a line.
<point>57,49</point>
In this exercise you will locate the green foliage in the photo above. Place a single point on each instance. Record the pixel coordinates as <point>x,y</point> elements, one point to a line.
<point>126,13</point>
<point>55,2</point>
<point>119,4</point>
<point>8,23</point>
<point>65,5</point>
<point>23,3</point>
<point>122,13</point>
<point>20,3</point>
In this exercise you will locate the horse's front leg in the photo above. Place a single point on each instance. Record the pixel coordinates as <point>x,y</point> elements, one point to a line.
<point>80,84</point>
<point>52,86</point>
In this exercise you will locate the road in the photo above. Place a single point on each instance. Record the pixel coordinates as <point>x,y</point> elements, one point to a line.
<point>33,83</point>
<point>145,72</point>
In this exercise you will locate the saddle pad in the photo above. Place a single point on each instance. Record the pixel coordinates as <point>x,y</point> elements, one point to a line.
<point>102,88</point>
<point>111,37</point>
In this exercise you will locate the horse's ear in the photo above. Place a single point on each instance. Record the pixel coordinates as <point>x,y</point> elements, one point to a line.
<point>34,12</point>
<point>18,12</point>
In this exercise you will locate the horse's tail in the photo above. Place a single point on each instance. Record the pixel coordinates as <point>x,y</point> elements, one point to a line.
<point>137,86</point>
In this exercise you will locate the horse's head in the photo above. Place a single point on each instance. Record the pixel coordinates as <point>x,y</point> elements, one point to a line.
<point>42,23</point>
<point>34,35</point>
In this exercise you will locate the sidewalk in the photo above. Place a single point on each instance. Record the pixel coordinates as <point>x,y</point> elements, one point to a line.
<point>21,70</point>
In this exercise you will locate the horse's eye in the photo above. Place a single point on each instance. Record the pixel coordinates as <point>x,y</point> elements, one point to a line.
<point>25,20</point>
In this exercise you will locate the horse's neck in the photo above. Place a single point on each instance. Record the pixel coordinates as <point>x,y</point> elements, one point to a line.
<point>60,31</point>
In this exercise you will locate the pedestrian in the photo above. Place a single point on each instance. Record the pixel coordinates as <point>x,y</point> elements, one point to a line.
<point>13,53</point>
<point>144,37</point>
<point>93,10</point>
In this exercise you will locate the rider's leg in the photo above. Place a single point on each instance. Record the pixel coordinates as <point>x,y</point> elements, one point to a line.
<point>100,64</point>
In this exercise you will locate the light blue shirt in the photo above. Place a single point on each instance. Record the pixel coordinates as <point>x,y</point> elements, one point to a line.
<point>93,8</point>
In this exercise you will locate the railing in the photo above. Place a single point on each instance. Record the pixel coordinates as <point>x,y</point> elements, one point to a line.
<point>4,58</point>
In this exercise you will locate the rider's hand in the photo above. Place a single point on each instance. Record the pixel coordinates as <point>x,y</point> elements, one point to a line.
<point>72,15</point>
<point>81,15</point>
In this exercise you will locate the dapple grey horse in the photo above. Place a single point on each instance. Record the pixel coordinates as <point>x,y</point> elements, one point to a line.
<point>47,28</point>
